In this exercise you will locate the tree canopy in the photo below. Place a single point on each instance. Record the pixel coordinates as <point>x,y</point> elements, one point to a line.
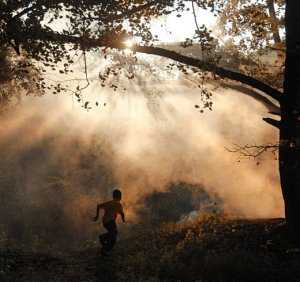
<point>49,31</point>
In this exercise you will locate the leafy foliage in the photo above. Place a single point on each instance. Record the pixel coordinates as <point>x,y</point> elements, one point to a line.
<point>17,77</point>
<point>54,33</point>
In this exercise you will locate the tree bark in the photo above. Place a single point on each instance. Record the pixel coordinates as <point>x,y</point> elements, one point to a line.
<point>289,151</point>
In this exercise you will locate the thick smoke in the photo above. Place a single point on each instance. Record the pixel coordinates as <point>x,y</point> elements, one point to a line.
<point>58,159</point>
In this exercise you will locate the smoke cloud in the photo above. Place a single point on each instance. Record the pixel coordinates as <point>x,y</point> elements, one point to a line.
<point>58,159</point>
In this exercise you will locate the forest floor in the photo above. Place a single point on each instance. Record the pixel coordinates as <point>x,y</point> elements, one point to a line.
<point>210,249</point>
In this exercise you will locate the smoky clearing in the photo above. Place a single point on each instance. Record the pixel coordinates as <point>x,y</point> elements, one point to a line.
<point>60,157</point>
<point>149,140</point>
<point>57,164</point>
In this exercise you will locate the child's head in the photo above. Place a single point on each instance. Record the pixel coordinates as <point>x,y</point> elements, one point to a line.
<point>117,195</point>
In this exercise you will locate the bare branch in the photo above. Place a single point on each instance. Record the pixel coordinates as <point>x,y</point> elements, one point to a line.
<point>275,113</point>
<point>253,151</point>
<point>273,122</point>
<point>252,92</point>
<point>195,17</point>
<point>23,12</point>
<point>274,21</point>
<point>85,72</point>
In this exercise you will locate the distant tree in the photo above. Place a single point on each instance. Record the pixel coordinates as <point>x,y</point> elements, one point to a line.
<point>258,23</point>
<point>49,31</point>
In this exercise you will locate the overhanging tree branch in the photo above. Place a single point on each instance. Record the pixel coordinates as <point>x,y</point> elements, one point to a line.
<point>252,92</point>
<point>205,66</point>
<point>118,43</point>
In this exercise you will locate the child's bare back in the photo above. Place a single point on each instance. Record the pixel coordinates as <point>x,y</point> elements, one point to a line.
<point>111,210</point>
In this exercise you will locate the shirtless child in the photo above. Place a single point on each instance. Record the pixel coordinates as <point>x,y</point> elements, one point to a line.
<point>111,210</point>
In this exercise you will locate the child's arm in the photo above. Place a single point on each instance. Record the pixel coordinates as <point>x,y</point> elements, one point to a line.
<point>122,214</point>
<point>99,206</point>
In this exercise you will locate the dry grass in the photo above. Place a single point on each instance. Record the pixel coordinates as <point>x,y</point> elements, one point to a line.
<point>208,249</point>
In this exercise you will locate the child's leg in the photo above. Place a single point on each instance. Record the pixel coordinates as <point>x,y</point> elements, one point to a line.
<point>104,238</point>
<point>111,235</point>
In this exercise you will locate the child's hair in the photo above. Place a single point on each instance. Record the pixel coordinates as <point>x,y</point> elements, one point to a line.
<point>117,194</point>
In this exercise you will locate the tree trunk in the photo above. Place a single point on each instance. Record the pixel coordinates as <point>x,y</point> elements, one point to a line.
<point>289,152</point>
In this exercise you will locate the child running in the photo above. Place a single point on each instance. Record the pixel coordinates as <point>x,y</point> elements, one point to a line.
<point>111,210</point>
